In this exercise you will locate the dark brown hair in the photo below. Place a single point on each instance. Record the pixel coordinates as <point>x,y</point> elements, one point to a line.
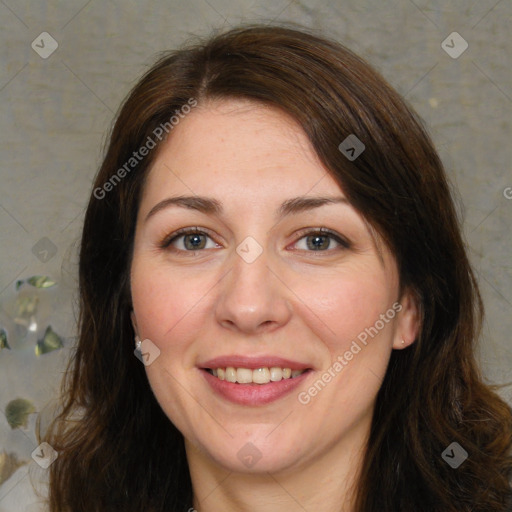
<point>119,451</point>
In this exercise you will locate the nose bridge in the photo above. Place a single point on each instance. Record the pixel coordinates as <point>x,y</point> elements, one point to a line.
<point>251,276</point>
<point>251,298</point>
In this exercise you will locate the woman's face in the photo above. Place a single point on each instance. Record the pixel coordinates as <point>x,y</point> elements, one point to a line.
<point>248,263</point>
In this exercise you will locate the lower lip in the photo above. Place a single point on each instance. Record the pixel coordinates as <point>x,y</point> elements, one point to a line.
<point>254,394</point>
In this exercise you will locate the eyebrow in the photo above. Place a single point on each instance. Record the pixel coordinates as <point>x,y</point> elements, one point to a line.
<point>201,204</point>
<point>212,206</point>
<point>303,203</point>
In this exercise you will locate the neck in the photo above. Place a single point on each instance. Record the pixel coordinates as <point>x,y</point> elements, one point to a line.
<point>324,484</point>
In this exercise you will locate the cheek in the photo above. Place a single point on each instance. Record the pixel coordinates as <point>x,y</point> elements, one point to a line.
<point>340,308</point>
<point>164,305</point>
<point>170,312</point>
<point>346,317</point>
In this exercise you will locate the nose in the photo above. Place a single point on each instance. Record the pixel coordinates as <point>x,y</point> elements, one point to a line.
<point>252,299</point>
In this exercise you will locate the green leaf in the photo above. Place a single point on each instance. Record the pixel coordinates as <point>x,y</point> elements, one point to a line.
<point>3,340</point>
<point>17,412</point>
<point>51,341</point>
<point>27,305</point>
<point>41,281</point>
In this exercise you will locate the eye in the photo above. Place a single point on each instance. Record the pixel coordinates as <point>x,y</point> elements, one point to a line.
<point>189,239</point>
<point>321,240</point>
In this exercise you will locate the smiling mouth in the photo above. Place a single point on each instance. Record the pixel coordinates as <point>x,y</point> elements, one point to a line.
<point>257,376</point>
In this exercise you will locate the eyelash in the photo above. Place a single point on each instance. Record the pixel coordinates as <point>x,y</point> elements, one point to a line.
<point>168,240</point>
<point>343,242</point>
<point>166,243</point>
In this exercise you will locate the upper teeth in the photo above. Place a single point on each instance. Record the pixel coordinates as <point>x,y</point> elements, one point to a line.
<point>257,376</point>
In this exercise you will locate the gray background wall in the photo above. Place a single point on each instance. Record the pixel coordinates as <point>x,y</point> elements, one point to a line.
<point>55,112</point>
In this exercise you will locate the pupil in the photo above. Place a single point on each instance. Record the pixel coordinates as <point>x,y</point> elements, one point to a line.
<point>194,242</point>
<point>318,242</point>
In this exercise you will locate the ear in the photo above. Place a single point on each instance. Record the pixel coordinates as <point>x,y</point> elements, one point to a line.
<point>408,320</point>
<point>134,324</point>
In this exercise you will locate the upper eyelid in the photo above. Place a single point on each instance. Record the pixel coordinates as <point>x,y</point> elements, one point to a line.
<point>342,240</point>
<point>168,239</point>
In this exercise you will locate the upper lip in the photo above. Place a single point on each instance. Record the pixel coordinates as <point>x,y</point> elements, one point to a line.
<point>239,361</point>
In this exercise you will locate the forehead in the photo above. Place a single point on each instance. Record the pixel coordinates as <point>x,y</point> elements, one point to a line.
<point>225,146</point>
<point>249,157</point>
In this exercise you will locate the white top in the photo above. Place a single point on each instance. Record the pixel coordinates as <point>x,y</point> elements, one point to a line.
<point>17,493</point>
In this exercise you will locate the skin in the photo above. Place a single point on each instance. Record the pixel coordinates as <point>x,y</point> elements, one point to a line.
<point>293,301</point>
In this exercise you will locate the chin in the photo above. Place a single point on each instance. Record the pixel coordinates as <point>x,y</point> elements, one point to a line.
<point>253,453</point>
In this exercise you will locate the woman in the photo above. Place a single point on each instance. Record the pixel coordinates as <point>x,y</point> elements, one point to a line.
<point>273,233</point>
